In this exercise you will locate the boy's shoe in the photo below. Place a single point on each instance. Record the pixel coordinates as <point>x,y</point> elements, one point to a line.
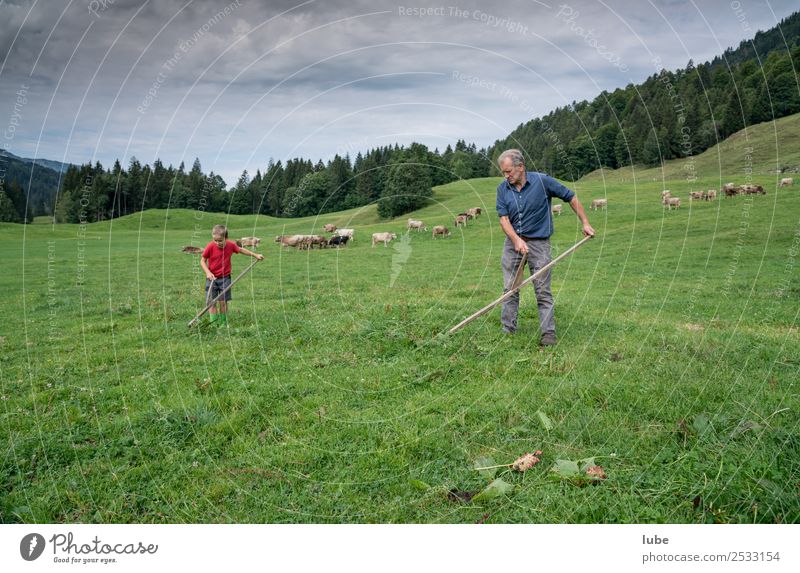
<point>548,339</point>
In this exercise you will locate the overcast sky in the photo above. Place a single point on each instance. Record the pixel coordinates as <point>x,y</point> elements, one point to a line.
<point>235,83</point>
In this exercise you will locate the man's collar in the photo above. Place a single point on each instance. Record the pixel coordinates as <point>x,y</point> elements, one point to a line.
<point>514,188</point>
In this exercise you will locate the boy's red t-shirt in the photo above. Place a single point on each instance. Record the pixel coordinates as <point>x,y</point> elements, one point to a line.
<point>219,258</point>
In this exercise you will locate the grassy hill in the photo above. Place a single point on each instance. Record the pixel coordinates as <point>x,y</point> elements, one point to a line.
<point>759,150</point>
<point>335,397</point>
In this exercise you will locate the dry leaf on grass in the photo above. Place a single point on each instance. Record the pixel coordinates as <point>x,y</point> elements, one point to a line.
<point>596,472</point>
<point>526,462</point>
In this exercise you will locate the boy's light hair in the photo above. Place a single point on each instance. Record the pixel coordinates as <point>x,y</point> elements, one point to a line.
<point>220,231</point>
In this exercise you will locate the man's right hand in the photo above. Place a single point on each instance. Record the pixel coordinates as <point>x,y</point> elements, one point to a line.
<point>520,245</point>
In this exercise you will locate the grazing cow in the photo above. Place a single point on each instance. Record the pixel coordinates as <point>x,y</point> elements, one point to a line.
<point>665,193</point>
<point>751,190</point>
<point>695,195</point>
<point>557,209</point>
<point>346,233</point>
<point>329,228</point>
<point>670,202</point>
<point>598,204</point>
<point>418,225</point>
<point>384,238</point>
<point>338,241</point>
<point>729,190</point>
<point>474,212</point>
<point>441,230</point>
<point>192,250</point>
<point>249,242</point>
<point>786,181</point>
<point>290,240</point>
<point>461,220</point>
<point>319,240</point>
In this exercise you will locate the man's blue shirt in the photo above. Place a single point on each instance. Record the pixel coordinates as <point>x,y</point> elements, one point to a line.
<point>528,209</point>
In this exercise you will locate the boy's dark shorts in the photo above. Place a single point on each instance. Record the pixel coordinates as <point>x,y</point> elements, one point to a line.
<point>217,286</point>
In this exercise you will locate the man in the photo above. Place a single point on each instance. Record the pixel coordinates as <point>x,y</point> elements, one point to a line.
<point>523,204</point>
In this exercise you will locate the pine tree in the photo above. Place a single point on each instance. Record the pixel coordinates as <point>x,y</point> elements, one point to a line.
<point>408,187</point>
<point>8,214</point>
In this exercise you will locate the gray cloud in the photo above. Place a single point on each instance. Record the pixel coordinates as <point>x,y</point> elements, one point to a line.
<point>171,79</point>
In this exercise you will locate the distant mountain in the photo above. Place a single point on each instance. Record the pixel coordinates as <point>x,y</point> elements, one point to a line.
<point>31,185</point>
<point>49,163</point>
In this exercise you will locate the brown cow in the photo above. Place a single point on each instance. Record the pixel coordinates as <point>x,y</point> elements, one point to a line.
<point>290,240</point>
<point>329,228</point>
<point>557,209</point>
<point>670,202</point>
<point>461,220</point>
<point>598,204</point>
<point>441,230</point>
<point>786,181</point>
<point>192,250</point>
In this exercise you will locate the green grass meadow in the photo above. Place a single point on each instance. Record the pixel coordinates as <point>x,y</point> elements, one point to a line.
<point>335,396</point>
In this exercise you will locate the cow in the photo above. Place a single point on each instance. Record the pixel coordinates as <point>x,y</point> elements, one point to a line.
<point>248,242</point>
<point>665,193</point>
<point>598,204</point>
<point>290,240</point>
<point>670,202</point>
<point>557,209</point>
<point>729,190</point>
<point>461,220</point>
<point>192,250</point>
<point>441,230</point>
<point>710,195</point>
<point>474,212</point>
<point>418,225</point>
<point>346,233</point>
<point>338,241</point>
<point>384,238</point>
<point>749,189</point>
<point>786,182</point>
<point>319,240</point>
<point>695,195</point>
<point>329,228</point>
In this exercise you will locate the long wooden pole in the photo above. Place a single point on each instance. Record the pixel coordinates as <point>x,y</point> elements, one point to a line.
<point>515,288</point>
<point>220,295</point>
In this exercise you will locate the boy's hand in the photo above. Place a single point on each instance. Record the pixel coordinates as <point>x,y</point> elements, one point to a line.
<point>259,256</point>
<point>210,276</point>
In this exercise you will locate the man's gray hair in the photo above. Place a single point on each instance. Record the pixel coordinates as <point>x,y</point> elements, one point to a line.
<point>515,155</point>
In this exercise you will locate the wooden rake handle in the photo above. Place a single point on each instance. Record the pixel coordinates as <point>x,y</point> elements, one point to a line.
<point>518,285</point>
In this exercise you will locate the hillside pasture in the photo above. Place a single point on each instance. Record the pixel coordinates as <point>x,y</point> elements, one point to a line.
<point>334,396</point>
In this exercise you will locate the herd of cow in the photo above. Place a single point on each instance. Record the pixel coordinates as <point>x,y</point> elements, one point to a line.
<point>340,237</point>
<point>670,202</point>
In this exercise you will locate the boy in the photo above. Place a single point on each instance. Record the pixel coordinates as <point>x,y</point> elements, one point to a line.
<point>216,263</point>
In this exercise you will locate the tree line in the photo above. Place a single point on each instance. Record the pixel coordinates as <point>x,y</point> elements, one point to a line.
<point>672,114</point>
<point>399,179</point>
